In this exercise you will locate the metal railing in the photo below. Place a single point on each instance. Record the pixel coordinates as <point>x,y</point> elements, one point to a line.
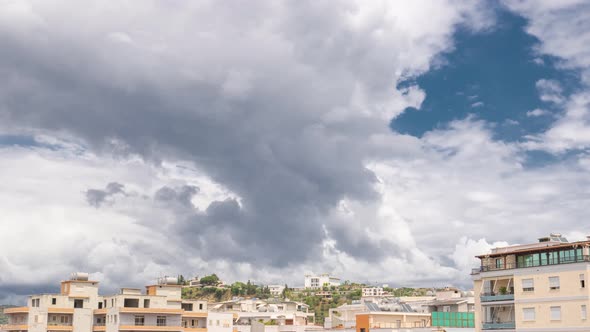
<point>510,266</point>
<point>489,297</point>
<point>498,326</point>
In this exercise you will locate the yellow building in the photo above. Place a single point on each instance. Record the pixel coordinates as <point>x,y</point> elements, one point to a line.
<point>79,308</point>
<point>389,320</point>
<point>534,287</point>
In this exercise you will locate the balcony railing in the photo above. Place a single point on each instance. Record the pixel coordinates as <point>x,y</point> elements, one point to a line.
<point>489,297</point>
<point>510,266</point>
<point>498,326</point>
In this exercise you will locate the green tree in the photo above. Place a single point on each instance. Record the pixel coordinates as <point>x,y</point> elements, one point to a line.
<point>238,288</point>
<point>211,280</point>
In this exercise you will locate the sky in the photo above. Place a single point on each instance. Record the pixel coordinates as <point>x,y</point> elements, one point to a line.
<point>382,142</point>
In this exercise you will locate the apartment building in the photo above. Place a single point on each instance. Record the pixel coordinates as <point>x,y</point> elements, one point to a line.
<point>79,308</point>
<point>372,291</point>
<point>276,290</point>
<point>540,286</point>
<point>313,281</point>
<point>254,310</point>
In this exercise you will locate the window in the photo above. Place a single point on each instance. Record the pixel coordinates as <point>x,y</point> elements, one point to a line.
<point>161,321</point>
<point>115,319</point>
<point>555,313</point>
<point>554,283</point>
<point>583,312</point>
<point>499,263</point>
<point>446,308</point>
<point>582,281</point>
<point>99,305</point>
<point>54,301</point>
<point>146,303</point>
<point>528,285</point>
<point>131,303</point>
<point>528,314</point>
<point>200,306</point>
<point>78,303</point>
<point>35,302</point>
<point>139,320</point>
<point>187,306</point>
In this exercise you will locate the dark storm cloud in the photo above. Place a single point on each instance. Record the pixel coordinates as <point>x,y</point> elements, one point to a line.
<point>96,197</point>
<point>271,111</point>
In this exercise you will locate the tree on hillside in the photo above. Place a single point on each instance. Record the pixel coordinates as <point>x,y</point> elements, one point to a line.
<point>238,288</point>
<point>211,280</point>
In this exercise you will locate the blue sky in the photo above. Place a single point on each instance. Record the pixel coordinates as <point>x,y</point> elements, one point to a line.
<point>264,140</point>
<point>490,75</point>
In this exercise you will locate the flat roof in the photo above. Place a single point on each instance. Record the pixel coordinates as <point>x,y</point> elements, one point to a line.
<point>550,246</point>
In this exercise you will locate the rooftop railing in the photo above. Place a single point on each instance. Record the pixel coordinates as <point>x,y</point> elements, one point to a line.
<point>498,326</point>
<point>510,266</point>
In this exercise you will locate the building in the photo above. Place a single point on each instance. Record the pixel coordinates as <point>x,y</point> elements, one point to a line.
<point>534,287</point>
<point>319,281</point>
<point>276,290</point>
<point>79,308</point>
<point>372,291</point>
<point>370,321</point>
<point>273,312</point>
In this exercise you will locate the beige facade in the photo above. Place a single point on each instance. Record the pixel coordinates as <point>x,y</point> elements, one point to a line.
<point>79,308</point>
<point>534,287</point>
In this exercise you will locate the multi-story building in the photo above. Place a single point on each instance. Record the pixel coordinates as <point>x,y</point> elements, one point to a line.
<point>276,290</point>
<point>372,291</point>
<point>319,281</point>
<point>79,308</point>
<point>268,311</point>
<point>534,287</point>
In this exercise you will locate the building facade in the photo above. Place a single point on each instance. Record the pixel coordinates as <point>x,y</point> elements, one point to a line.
<point>372,291</point>
<point>322,280</point>
<point>534,287</point>
<point>79,308</point>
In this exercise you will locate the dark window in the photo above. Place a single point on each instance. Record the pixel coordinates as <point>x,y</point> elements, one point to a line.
<point>99,305</point>
<point>78,303</point>
<point>363,329</point>
<point>200,306</point>
<point>54,301</point>
<point>146,303</point>
<point>187,306</point>
<point>131,303</point>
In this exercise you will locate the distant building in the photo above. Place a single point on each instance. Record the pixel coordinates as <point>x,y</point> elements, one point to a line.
<point>372,291</point>
<point>79,308</point>
<point>276,290</point>
<point>319,281</point>
<point>252,310</point>
<point>534,287</point>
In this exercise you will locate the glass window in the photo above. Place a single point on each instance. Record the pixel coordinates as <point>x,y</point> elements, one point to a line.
<point>499,263</point>
<point>555,313</point>
<point>528,314</point>
<point>528,285</point>
<point>139,320</point>
<point>161,321</point>
<point>583,311</point>
<point>554,283</point>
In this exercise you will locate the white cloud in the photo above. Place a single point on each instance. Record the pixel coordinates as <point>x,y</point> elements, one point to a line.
<point>477,104</point>
<point>537,112</point>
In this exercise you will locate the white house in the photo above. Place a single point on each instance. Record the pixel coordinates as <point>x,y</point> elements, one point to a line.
<point>319,281</point>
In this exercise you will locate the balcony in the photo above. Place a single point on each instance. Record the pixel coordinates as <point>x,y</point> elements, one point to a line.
<point>490,297</point>
<point>151,328</point>
<point>15,327</point>
<point>538,263</point>
<point>498,326</point>
<point>17,310</point>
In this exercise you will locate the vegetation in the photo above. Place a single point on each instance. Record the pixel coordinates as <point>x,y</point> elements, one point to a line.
<point>319,301</point>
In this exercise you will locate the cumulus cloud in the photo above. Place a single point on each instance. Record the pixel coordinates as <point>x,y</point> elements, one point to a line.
<point>255,139</point>
<point>563,30</point>
<point>96,197</point>
<point>537,112</point>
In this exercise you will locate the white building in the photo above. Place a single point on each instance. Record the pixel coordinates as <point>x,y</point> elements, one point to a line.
<point>372,291</point>
<point>276,290</point>
<point>319,281</point>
